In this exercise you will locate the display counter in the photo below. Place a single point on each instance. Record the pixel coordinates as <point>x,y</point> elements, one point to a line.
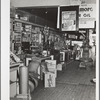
<point>29,57</point>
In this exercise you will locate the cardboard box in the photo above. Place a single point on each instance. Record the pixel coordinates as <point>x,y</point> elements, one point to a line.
<point>51,65</point>
<point>13,90</point>
<point>50,80</point>
<point>59,67</point>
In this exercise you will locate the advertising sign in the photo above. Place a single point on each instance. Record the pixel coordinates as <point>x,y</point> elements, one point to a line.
<point>87,15</point>
<point>87,11</point>
<point>68,20</point>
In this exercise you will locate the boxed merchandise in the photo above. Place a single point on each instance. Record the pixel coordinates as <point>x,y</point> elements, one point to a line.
<point>50,80</point>
<point>59,67</point>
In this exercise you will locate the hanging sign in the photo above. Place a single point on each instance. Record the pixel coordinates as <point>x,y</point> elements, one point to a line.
<point>87,11</point>
<point>87,15</point>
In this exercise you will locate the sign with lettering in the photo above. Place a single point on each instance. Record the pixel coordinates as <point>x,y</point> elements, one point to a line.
<point>87,15</point>
<point>72,36</point>
<point>87,11</point>
<point>79,36</point>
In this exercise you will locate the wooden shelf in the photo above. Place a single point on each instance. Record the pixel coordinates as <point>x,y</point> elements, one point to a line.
<point>26,22</point>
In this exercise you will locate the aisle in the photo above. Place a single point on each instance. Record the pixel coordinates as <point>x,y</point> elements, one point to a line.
<point>74,75</point>
<point>72,84</point>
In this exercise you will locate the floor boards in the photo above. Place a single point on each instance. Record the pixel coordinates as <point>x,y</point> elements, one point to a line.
<point>71,84</point>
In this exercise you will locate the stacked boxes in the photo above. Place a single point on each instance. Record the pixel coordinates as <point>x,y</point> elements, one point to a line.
<point>50,77</point>
<point>50,80</point>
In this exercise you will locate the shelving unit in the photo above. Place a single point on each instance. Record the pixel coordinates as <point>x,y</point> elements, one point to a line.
<point>35,36</point>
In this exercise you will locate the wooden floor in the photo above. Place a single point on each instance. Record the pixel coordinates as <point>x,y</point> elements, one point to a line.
<point>71,84</point>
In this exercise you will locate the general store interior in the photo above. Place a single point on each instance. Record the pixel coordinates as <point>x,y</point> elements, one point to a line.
<point>52,50</point>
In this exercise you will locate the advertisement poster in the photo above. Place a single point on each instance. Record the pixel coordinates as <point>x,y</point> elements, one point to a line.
<point>87,15</point>
<point>68,20</point>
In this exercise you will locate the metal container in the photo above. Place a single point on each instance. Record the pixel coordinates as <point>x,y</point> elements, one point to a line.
<point>24,81</point>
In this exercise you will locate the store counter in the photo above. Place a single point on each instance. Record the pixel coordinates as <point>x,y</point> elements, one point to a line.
<point>28,58</point>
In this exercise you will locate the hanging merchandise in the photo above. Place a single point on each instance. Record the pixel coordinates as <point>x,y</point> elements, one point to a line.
<point>35,39</point>
<point>46,31</point>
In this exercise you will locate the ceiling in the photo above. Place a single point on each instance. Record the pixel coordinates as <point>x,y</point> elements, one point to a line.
<point>48,13</point>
